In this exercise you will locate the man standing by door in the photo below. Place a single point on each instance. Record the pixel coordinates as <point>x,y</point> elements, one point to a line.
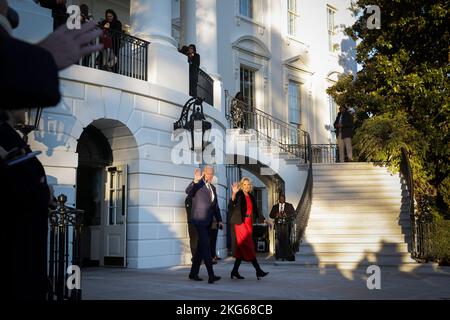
<point>204,208</point>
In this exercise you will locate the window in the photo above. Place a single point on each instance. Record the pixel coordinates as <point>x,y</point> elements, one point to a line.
<point>331,28</point>
<point>292,11</point>
<point>247,85</point>
<point>246,8</point>
<point>294,102</point>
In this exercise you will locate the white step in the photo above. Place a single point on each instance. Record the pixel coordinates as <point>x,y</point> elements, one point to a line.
<point>395,230</point>
<point>358,212</point>
<point>346,166</point>
<point>353,247</point>
<point>380,196</point>
<point>332,180</point>
<point>350,238</point>
<point>363,223</point>
<point>378,258</point>
<point>355,183</point>
<point>365,188</point>
<point>343,173</point>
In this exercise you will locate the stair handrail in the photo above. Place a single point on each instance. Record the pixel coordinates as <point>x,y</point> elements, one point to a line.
<point>421,222</point>
<point>291,137</point>
<point>301,216</point>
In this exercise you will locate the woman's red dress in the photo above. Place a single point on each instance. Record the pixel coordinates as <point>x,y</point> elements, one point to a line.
<point>245,248</point>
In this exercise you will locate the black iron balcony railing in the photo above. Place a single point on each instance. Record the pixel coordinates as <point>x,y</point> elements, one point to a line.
<point>122,54</point>
<point>205,87</point>
<point>289,137</point>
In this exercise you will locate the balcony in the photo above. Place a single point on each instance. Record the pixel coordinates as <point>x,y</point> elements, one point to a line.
<point>123,54</point>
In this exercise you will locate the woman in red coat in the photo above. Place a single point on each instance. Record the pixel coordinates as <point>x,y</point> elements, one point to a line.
<point>243,211</point>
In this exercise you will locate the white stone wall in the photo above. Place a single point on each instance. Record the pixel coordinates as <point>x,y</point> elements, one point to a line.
<point>138,126</point>
<point>141,114</point>
<point>263,44</point>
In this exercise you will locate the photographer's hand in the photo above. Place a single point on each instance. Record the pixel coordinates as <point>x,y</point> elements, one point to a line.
<point>69,46</point>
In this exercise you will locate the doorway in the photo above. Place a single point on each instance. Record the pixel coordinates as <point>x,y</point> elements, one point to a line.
<point>94,156</point>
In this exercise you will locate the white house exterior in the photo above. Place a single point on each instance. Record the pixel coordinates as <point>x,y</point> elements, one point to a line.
<point>287,67</point>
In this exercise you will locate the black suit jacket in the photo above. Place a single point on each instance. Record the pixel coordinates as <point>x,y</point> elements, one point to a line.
<point>203,210</point>
<point>28,75</point>
<point>288,210</point>
<point>347,125</point>
<point>238,209</point>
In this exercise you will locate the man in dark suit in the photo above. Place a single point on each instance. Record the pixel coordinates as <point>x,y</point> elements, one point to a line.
<point>281,212</point>
<point>204,208</point>
<point>344,132</point>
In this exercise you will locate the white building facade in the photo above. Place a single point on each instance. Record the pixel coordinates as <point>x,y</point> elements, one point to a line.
<point>108,144</point>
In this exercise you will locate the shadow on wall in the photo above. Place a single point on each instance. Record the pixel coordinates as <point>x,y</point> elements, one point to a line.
<point>347,58</point>
<point>55,128</point>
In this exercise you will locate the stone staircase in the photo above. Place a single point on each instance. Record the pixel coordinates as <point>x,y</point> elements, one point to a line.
<point>357,218</point>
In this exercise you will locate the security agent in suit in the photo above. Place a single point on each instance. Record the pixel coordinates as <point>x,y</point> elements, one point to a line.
<point>204,208</point>
<point>283,209</point>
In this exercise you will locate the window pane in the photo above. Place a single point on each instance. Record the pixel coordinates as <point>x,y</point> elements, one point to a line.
<point>246,8</point>
<point>247,85</point>
<point>119,207</point>
<point>294,102</point>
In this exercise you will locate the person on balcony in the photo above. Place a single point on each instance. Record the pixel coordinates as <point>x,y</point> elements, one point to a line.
<point>59,11</point>
<point>112,29</point>
<point>194,66</point>
<point>237,111</point>
<point>85,17</point>
<point>244,211</point>
<point>281,212</point>
<point>344,132</point>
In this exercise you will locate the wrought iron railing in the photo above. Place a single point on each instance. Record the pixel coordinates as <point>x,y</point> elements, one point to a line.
<point>123,54</point>
<point>289,137</point>
<point>325,153</point>
<point>301,216</point>
<point>205,87</point>
<point>421,222</point>
<point>64,245</point>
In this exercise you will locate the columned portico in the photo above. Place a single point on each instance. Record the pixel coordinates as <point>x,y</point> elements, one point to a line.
<point>152,20</point>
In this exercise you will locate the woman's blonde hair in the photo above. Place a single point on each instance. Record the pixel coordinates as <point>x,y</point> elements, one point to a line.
<point>241,183</point>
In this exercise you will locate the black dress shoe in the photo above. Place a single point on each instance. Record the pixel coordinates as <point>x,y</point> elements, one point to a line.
<point>237,275</point>
<point>195,277</point>
<point>261,274</point>
<point>213,279</point>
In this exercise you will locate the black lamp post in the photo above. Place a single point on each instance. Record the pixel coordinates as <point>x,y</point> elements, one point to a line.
<point>30,123</point>
<point>197,124</point>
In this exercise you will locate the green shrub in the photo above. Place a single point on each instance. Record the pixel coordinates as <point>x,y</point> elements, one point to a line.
<point>440,241</point>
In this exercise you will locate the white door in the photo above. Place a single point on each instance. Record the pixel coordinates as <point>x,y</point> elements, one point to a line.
<point>115,217</point>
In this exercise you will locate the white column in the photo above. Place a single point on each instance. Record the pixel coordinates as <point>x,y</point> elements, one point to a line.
<point>199,27</point>
<point>35,22</point>
<point>151,20</point>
